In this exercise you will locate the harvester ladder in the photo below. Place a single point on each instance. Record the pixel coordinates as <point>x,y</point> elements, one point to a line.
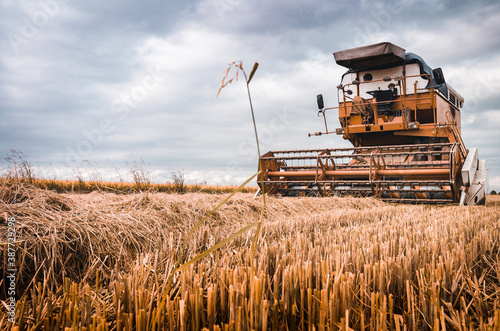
<point>456,133</point>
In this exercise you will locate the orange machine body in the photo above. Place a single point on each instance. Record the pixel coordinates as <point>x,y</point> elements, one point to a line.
<point>404,122</point>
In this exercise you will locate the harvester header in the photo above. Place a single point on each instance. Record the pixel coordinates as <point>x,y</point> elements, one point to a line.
<point>403,121</point>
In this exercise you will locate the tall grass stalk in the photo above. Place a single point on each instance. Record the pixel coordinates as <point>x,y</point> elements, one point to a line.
<point>239,66</point>
<point>179,267</point>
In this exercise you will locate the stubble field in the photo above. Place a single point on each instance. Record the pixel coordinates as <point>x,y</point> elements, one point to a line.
<point>102,261</point>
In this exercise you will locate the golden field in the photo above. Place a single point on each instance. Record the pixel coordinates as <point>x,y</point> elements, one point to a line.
<point>78,186</point>
<point>101,261</point>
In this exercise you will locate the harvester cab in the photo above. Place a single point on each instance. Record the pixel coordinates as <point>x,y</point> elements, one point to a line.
<point>403,121</point>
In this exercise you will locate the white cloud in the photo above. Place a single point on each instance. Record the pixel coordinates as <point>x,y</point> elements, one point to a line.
<point>453,40</point>
<point>495,183</point>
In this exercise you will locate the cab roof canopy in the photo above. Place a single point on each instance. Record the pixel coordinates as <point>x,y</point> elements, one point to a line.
<point>380,54</point>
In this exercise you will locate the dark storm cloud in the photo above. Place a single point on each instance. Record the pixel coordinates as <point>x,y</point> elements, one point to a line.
<point>147,16</point>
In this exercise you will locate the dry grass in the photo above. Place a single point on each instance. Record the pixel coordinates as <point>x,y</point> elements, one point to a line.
<point>101,260</point>
<point>80,186</point>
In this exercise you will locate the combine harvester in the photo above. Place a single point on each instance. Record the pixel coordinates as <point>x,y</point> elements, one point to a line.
<point>403,120</point>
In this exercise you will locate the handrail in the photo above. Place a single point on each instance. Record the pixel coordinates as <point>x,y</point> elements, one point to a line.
<point>457,134</point>
<point>404,99</point>
<point>398,78</point>
<point>344,104</point>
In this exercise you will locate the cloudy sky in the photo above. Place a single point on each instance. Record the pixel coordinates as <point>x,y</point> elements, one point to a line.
<point>95,85</point>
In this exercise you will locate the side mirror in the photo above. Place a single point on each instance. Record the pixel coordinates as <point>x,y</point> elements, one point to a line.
<point>319,99</point>
<point>438,76</point>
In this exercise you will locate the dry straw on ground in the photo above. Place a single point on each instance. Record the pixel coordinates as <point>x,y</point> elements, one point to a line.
<point>78,186</point>
<point>101,260</point>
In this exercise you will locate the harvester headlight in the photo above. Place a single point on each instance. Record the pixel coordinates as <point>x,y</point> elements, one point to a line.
<point>412,125</point>
<point>339,131</point>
